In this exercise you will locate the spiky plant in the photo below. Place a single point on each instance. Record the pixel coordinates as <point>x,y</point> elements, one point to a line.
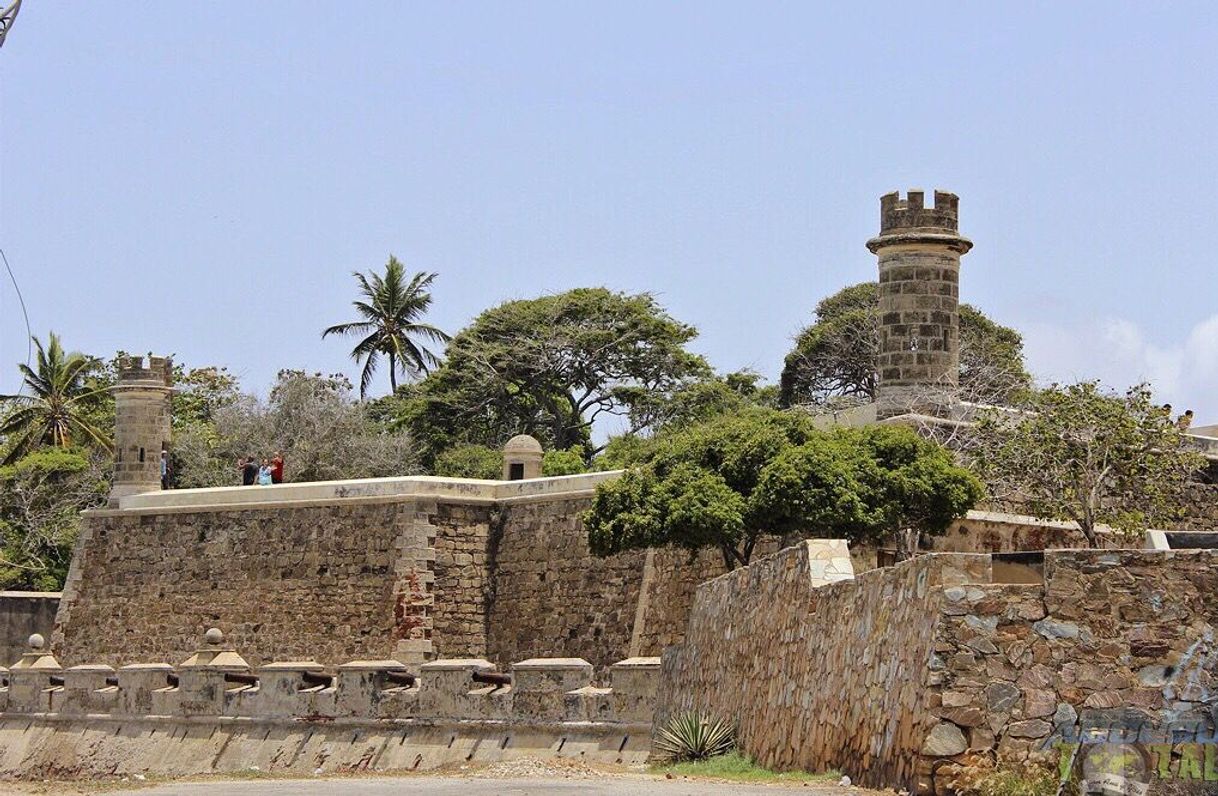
<point>694,736</point>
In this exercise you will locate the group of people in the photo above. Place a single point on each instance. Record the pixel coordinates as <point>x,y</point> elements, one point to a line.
<point>1184,421</point>
<point>270,471</point>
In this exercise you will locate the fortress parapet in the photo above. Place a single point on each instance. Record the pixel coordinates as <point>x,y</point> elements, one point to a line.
<point>216,681</point>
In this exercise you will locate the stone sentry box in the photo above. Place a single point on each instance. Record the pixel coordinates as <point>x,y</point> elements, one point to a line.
<point>521,458</point>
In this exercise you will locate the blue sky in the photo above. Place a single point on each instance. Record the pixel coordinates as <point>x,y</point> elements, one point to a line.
<point>202,178</point>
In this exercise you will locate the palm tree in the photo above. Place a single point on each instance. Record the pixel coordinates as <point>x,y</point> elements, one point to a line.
<point>56,411</point>
<point>390,310</point>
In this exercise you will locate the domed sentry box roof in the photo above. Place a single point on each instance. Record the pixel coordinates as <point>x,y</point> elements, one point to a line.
<point>521,458</point>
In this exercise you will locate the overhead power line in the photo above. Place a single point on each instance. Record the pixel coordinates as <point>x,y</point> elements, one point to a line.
<point>6,19</point>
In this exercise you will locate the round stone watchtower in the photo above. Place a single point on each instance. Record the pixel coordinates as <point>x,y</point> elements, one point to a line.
<point>919,250</point>
<point>141,424</point>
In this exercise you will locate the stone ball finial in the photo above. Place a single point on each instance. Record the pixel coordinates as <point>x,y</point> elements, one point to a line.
<point>214,636</point>
<point>37,642</point>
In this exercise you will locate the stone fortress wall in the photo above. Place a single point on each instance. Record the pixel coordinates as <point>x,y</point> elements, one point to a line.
<point>406,568</point>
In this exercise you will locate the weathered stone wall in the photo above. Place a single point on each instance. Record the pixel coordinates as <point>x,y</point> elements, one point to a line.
<point>670,584</point>
<point>908,676</point>
<point>361,569</point>
<point>339,582</point>
<point>1121,639</point>
<point>214,713</point>
<point>462,578</point>
<point>1200,508</point>
<point>23,613</point>
<point>819,675</point>
<point>551,596</point>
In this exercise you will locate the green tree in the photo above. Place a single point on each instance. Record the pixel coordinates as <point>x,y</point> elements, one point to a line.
<point>726,483</point>
<point>551,367</point>
<point>41,497</point>
<point>312,419</point>
<point>470,461</point>
<point>834,358</point>
<point>390,309</point>
<point>57,412</point>
<point>568,462</point>
<point>1078,452</point>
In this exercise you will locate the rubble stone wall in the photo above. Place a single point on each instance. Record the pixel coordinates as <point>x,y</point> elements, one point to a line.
<point>908,676</point>
<point>1200,508</point>
<point>818,676</point>
<point>1120,639</point>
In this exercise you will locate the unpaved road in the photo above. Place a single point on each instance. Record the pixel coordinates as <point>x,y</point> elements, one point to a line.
<point>472,786</point>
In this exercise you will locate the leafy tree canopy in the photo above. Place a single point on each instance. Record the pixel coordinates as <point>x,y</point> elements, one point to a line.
<point>312,419</point>
<point>551,367</point>
<point>41,496</point>
<point>727,482</point>
<point>390,311</point>
<point>1078,452</point>
<point>835,356</point>
<point>58,409</point>
<point>470,461</point>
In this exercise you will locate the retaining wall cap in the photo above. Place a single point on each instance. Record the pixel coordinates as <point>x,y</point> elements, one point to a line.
<point>372,666</point>
<point>591,690</point>
<point>37,661</point>
<point>146,667</point>
<point>228,660</point>
<point>92,667</point>
<point>637,663</point>
<point>455,664</point>
<point>552,663</point>
<point>291,666</point>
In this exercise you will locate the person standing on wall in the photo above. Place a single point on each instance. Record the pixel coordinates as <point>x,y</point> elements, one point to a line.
<point>249,470</point>
<point>277,468</point>
<point>164,469</point>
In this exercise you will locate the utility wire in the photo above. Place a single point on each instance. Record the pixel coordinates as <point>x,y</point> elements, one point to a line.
<point>29,334</point>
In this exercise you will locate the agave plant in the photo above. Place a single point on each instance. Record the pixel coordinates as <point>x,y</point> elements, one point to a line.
<point>694,736</point>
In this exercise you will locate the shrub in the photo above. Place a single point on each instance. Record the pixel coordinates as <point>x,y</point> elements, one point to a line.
<point>694,736</point>
<point>1029,780</point>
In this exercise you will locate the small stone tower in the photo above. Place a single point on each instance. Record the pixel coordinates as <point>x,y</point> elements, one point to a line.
<point>141,424</point>
<point>521,458</point>
<point>919,250</point>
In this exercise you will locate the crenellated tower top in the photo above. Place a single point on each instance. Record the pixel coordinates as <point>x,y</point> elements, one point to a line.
<point>132,370</point>
<point>910,221</point>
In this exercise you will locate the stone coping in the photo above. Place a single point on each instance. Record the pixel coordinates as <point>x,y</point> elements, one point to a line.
<point>318,493</point>
<point>33,595</point>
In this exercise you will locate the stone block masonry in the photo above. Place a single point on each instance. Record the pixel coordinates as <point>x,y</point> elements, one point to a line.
<point>404,568</point>
<point>339,582</point>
